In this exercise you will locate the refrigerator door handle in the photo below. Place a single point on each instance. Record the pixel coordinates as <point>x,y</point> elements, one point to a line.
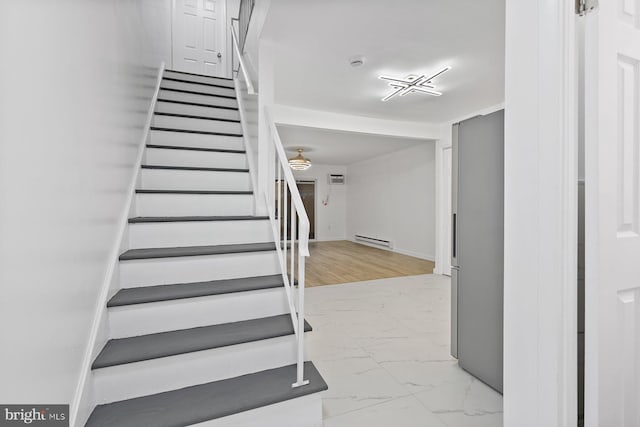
<point>454,236</point>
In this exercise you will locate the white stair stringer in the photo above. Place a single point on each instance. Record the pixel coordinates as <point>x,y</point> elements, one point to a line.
<point>163,316</point>
<point>177,179</point>
<point>198,233</point>
<point>162,271</point>
<point>153,376</point>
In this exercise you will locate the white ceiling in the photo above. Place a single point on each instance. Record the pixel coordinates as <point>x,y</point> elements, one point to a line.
<point>315,39</point>
<point>331,147</point>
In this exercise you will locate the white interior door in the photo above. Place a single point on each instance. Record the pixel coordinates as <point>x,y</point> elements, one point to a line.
<point>612,333</point>
<point>199,37</point>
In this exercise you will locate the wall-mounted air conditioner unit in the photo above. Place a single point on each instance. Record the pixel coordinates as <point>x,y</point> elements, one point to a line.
<point>337,179</point>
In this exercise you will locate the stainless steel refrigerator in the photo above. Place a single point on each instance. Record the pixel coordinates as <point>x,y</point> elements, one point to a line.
<point>477,256</point>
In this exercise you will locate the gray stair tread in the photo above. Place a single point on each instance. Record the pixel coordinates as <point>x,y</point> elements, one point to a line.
<point>198,75</point>
<point>193,92</point>
<point>193,82</point>
<point>192,116</point>
<point>209,401</point>
<point>193,168</point>
<point>200,132</point>
<point>146,219</point>
<point>148,253</point>
<point>148,294</point>
<point>153,346</point>
<point>219,192</point>
<point>177,147</point>
<point>197,104</point>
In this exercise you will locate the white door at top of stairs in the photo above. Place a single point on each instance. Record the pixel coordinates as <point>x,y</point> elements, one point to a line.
<point>612,239</point>
<point>199,37</point>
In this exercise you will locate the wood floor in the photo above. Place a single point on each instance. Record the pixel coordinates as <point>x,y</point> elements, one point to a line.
<point>344,262</point>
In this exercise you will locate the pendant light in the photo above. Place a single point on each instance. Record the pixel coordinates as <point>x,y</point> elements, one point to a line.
<point>299,162</point>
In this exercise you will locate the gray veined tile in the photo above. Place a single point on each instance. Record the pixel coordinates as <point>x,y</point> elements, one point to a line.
<point>412,349</point>
<point>418,376</point>
<point>332,347</point>
<point>357,383</point>
<point>384,346</point>
<point>400,412</point>
<point>472,398</point>
<point>460,419</point>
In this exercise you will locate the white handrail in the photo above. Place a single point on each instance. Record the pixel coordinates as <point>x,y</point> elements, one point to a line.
<point>296,222</point>
<point>293,222</point>
<point>243,66</point>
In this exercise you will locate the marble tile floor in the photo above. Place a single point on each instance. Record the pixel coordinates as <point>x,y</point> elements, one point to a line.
<point>383,348</point>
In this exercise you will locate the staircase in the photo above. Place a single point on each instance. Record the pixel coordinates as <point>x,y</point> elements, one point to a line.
<point>200,331</point>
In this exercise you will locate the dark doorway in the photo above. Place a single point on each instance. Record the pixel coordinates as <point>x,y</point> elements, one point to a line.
<point>307,191</point>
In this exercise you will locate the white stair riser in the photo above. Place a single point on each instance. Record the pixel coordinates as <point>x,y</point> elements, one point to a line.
<point>170,373</point>
<point>162,271</point>
<point>193,204</point>
<point>184,139</point>
<point>301,412</point>
<point>202,79</point>
<point>205,159</point>
<point>143,319</point>
<point>176,179</point>
<point>194,87</point>
<point>198,99</point>
<point>172,122</point>
<point>194,110</point>
<point>198,233</point>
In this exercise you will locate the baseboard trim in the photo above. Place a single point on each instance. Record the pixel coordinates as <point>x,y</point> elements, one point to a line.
<point>80,406</point>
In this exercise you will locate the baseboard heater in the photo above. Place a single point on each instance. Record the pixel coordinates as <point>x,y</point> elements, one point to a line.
<point>373,241</point>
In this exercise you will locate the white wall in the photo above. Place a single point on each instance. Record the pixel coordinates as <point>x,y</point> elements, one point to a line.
<point>76,83</point>
<point>392,197</point>
<point>330,219</point>
<point>298,116</point>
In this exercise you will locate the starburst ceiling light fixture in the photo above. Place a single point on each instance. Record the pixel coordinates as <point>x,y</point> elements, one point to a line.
<point>299,162</point>
<point>413,83</point>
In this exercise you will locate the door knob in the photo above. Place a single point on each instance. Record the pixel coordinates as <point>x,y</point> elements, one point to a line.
<point>219,55</point>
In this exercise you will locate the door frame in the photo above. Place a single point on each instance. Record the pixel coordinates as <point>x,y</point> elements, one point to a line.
<point>541,152</point>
